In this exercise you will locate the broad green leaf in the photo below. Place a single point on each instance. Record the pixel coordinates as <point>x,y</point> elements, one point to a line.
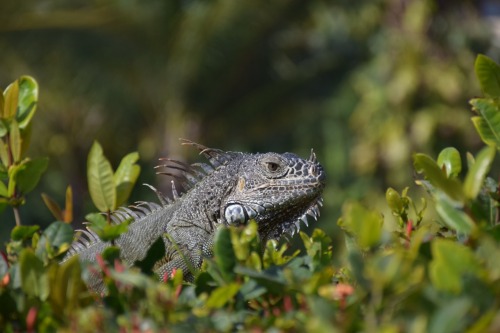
<point>451,260</point>
<point>426,165</point>
<point>4,129</point>
<point>488,74</point>
<point>125,177</point>
<point>26,138</point>
<point>100,178</point>
<point>27,101</point>
<point>450,159</point>
<point>34,280</point>
<point>54,239</point>
<point>15,141</point>
<point>23,232</point>
<point>11,96</point>
<point>29,173</point>
<point>478,172</point>
<point>224,254</point>
<point>364,225</point>
<point>222,295</point>
<point>488,122</point>
<point>454,217</point>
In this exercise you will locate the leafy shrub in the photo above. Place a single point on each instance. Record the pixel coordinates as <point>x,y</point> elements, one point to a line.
<point>428,275</point>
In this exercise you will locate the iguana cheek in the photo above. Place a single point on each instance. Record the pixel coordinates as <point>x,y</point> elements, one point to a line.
<point>235,214</point>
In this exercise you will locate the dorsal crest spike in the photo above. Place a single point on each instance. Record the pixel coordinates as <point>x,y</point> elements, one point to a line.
<point>216,157</point>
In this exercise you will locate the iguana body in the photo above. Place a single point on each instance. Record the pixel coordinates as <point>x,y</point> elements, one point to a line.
<point>276,190</point>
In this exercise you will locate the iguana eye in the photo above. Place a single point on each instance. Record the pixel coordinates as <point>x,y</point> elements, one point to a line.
<point>272,167</point>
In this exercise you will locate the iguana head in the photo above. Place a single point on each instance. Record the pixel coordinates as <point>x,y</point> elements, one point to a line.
<point>278,191</point>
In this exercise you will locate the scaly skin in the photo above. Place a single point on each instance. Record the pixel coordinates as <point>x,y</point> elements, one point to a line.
<point>275,190</point>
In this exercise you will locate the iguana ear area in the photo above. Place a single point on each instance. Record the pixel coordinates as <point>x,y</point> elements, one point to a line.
<point>273,165</point>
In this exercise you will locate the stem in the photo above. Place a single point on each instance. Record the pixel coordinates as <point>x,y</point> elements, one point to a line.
<point>16,215</point>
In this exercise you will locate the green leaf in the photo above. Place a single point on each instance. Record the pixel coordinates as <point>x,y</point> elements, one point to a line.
<point>67,289</point>
<point>34,280</point>
<point>53,207</point>
<point>364,225</point>
<point>110,254</point>
<point>488,122</point>
<point>106,231</point>
<point>11,96</point>
<point>15,142</point>
<point>4,154</point>
<point>125,177</point>
<point>488,74</point>
<point>454,217</point>
<point>27,101</point>
<point>101,181</point>
<point>224,254</point>
<point>222,295</point>
<point>3,190</point>
<point>426,165</point>
<point>23,232</point>
<point>450,159</point>
<point>478,172</point>
<point>29,173</point>
<point>155,253</point>
<point>54,240</point>
<point>451,261</point>
<point>394,200</point>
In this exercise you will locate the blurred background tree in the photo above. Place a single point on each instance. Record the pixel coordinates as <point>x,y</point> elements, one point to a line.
<point>365,83</point>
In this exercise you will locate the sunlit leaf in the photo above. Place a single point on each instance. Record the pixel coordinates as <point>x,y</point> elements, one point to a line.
<point>478,172</point>
<point>488,123</point>
<point>488,74</point>
<point>11,96</point>
<point>15,141</point>
<point>100,179</point>
<point>222,295</point>
<point>125,177</point>
<point>4,154</point>
<point>454,217</point>
<point>426,165</point>
<point>450,159</point>
<point>27,102</point>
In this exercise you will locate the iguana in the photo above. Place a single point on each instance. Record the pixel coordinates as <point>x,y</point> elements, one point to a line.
<point>278,191</point>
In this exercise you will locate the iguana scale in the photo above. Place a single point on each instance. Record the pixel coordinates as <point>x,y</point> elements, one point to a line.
<point>278,191</point>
